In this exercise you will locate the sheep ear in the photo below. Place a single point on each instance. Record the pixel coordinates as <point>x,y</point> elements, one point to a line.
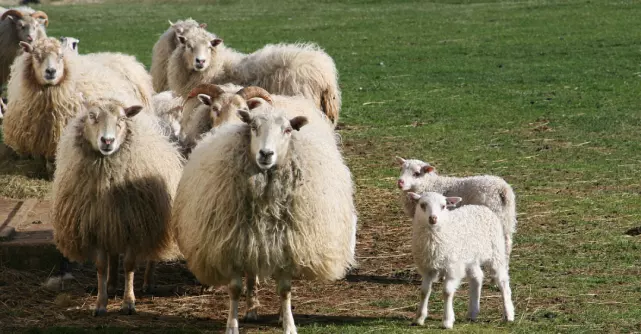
<point>215,42</point>
<point>452,201</point>
<point>245,116</point>
<point>205,99</point>
<point>428,169</point>
<point>203,25</point>
<point>400,161</point>
<point>413,196</point>
<point>132,111</point>
<point>181,39</point>
<point>298,122</point>
<point>255,102</point>
<point>26,47</point>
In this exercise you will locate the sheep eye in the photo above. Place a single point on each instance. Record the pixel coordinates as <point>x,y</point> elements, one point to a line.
<point>423,206</point>
<point>254,128</point>
<point>288,130</point>
<point>442,207</point>
<point>417,174</point>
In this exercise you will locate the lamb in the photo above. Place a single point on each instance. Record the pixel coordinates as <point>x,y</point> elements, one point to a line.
<point>492,191</point>
<point>70,43</point>
<point>455,244</point>
<point>113,191</point>
<point>163,49</point>
<point>287,69</point>
<point>262,199</point>
<point>47,88</point>
<point>18,26</point>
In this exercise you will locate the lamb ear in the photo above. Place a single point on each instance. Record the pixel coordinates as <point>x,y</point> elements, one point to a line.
<point>132,111</point>
<point>298,122</point>
<point>26,47</point>
<point>205,99</point>
<point>245,116</point>
<point>255,102</point>
<point>215,42</point>
<point>452,201</point>
<point>400,160</point>
<point>428,169</point>
<point>413,196</point>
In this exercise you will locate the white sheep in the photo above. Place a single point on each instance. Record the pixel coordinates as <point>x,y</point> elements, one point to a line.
<point>170,109</point>
<point>113,190</point>
<point>163,49</point>
<point>455,244</point>
<point>269,198</point>
<point>492,191</point>
<point>287,69</point>
<point>70,43</point>
<point>47,88</point>
<point>18,26</point>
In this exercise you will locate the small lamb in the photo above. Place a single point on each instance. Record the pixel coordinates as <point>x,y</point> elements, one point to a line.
<point>454,244</point>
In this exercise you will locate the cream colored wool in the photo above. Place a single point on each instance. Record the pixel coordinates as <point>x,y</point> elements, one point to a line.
<point>232,218</point>
<point>117,203</point>
<point>168,108</point>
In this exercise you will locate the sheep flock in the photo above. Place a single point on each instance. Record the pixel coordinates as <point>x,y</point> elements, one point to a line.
<point>227,161</point>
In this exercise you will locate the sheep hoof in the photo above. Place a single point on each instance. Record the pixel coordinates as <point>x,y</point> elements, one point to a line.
<point>128,308</point>
<point>251,316</point>
<point>232,330</point>
<point>99,311</point>
<point>448,324</point>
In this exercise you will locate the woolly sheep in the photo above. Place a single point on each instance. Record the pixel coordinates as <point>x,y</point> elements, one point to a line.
<point>262,199</point>
<point>492,191</point>
<point>70,43</point>
<point>287,69</point>
<point>163,49</point>
<point>112,192</point>
<point>168,108</point>
<point>18,25</point>
<point>46,89</point>
<point>455,244</point>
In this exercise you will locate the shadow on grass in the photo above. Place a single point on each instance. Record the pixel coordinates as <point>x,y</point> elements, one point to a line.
<point>303,320</point>
<point>381,279</point>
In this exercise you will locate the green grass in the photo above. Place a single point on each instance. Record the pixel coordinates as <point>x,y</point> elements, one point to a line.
<point>542,93</point>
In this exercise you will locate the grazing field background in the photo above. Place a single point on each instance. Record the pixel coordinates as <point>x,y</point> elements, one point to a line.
<point>542,93</point>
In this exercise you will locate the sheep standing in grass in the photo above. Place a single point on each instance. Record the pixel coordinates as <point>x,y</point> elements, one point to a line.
<point>268,197</point>
<point>17,26</point>
<point>112,192</point>
<point>492,191</point>
<point>287,69</point>
<point>47,88</point>
<point>455,244</point>
<point>163,49</point>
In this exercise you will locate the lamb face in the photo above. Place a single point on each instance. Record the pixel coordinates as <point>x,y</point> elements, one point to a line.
<point>411,172</point>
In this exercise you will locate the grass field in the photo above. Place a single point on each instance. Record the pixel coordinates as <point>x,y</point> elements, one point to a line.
<point>542,93</point>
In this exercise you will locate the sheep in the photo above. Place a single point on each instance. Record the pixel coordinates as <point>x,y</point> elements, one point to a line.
<point>455,244</point>
<point>71,43</point>
<point>18,26</point>
<point>169,108</point>
<point>262,199</point>
<point>112,192</point>
<point>492,191</point>
<point>163,49</point>
<point>46,88</point>
<point>287,69</point>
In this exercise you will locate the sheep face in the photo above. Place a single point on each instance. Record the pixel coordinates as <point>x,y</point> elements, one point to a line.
<point>411,172</point>
<point>47,60</point>
<point>222,109</point>
<point>197,50</point>
<point>270,135</point>
<point>106,126</point>
<point>70,44</point>
<point>431,205</point>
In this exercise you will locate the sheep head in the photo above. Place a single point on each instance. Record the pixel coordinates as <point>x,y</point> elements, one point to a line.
<point>47,60</point>
<point>271,133</point>
<point>431,205</point>
<point>222,105</point>
<point>106,124</point>
<point>197,47</point>
<point>411,172</point>
<point>26,25</point>
<point>70,44</point>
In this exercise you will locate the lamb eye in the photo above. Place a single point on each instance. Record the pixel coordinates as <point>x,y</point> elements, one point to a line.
<point>417,174</point>
<point>423,206</point>
<point>442,206</point>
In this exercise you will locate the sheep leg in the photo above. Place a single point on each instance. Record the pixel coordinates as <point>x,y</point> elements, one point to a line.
<point>112,282</point>
<point>285,293</point>
<point>235,289</point>
<point>426,291</point>
<point>129,299</point>
<point>449,288</point>
<point>476,282</point>
<point>149,283</point>
<point>502,279</point>
<point>252,298</point>
<point>102,263</point>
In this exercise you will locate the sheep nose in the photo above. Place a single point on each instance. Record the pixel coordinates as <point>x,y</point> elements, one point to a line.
<point>200,61</point>
<point>266,153</point>
<point>401,183</point>
<point>107,141</point>
<point>432,220</point>
<point>29,38</point>
<point>50,71</point>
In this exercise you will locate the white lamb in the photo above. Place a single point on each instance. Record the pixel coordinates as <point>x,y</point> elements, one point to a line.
<point>455,244</point>
<point>492,191</point>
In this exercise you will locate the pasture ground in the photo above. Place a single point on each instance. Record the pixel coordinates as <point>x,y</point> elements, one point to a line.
<point>542,93</point>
